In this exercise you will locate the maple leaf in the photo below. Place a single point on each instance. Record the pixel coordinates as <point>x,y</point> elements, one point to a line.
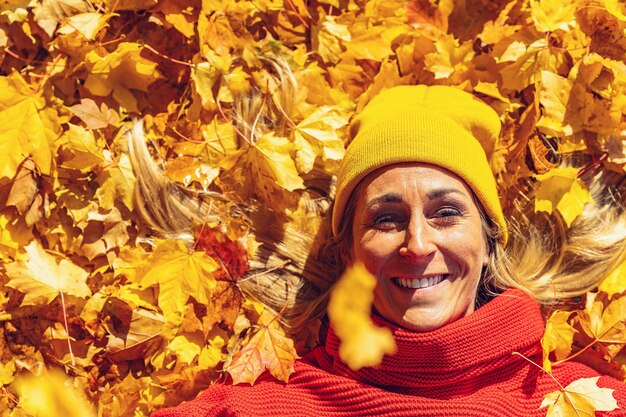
<point>269,162</point>
<point>362,343</point>
<point>269,349</point>
<point>117,181</point>
<point>528,62</point>
<point>614,283</point>
<point>41,278</point>
<point>93,116</point>
<point>582,397</point>
<point>23,133</point>
<point>87,24</point>
<point>555,97</point>
<point>179,275</point>
<point>49,13</point>
<point>84,151</point>
<point>550,15</point>
<point>7,372</point>
<point>561,190</point>
<point>605,325</point>
<point>120,72</point>
<point>134,333</point>
<point>317,136</point>
<point>558,337</point>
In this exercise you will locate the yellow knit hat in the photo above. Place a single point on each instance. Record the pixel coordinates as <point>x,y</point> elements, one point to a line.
<point>439,125</point>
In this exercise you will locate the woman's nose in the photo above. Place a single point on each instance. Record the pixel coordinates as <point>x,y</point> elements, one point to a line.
<point>418,243</point>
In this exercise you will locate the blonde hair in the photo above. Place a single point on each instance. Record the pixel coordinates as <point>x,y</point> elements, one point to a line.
<point>553,262</point>
<point>285,274</point>
<point>294,269</point>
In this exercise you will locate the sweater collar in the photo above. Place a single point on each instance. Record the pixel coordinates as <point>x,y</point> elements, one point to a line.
<point>458,353</point>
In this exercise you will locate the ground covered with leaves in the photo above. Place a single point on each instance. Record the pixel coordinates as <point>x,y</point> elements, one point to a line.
<point>97,317</point>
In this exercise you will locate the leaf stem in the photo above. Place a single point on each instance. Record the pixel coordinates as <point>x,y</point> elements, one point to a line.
<point>541,367</point>
<point>67,329</point>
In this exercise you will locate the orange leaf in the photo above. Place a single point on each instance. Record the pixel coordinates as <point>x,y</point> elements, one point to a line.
<point>269,349</point>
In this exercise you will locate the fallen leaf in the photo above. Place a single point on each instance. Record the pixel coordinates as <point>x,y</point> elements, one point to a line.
<point>582,397</point>
<point>560,189</point>
<point>268,349</point>
<point>41,278</point>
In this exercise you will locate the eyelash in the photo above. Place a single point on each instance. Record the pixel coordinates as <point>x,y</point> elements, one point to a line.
<point>445,215</point>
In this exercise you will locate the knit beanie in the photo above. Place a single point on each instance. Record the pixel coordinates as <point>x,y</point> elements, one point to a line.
<point>439,125</point>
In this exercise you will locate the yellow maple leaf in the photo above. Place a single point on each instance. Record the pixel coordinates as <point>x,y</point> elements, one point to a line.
<point>87,24</point>
<point>179,275</point>
<point>555,95</point>
<point>264,166</point>
<point>117,182</point>
<point>527,62</point>
<point>269,349</point>
<point>317,136</point>
<point>84,152</point>
<point>561,190</point>
<point>120,72</point>
<point>93,116</point>
<point>449,58</point>
<point>558,337</point>
<point>582,397</point>
<point>49,13</point>
<point>41,278</point>
<point>187,346</point>
<point>330,39</point>
<point>615,282</point>
<point>13,235</point>
<point>370,43</point>
<point>605,325</point>
<point>551,15</point>
<point>7,372</point>
<point>52,395</point>
<point>24,132</point>
<point>362,343</point>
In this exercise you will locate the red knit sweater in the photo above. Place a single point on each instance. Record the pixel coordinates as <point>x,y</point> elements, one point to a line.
<point>463,369</point>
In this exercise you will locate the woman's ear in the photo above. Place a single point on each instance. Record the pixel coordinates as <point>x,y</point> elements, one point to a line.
<point>345,254</point>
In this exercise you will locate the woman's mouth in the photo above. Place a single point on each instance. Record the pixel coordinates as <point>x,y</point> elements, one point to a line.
<point>416,283</point>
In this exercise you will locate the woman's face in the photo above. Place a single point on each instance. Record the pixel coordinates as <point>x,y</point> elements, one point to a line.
<point>418,230</point>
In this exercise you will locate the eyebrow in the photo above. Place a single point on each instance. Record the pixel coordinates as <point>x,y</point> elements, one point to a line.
<point>396,198</point>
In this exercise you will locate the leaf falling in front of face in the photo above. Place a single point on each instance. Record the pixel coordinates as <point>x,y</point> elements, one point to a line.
<point>349,310</point>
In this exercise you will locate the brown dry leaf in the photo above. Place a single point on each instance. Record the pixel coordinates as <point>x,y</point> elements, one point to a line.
<point>349,312</point>
<point>582,397</point>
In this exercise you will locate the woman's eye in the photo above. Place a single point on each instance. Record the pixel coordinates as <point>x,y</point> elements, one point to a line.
<point>447,212</point>
<point>385,221</point>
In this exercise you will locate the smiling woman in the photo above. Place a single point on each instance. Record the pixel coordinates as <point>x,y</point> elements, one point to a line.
<point>417,205</point>
<point>418,230</point>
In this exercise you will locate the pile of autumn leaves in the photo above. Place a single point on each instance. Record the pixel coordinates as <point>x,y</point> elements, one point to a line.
<point>98,318</point>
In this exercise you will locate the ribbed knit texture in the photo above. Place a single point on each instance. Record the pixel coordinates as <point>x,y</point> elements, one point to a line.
<point>463,369</point>
<point>439,125</point>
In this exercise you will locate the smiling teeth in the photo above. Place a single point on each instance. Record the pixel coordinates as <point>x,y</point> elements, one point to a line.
<point>419,282</point>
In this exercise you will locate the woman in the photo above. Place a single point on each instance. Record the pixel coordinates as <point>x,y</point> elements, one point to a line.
<point>417,204</point>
